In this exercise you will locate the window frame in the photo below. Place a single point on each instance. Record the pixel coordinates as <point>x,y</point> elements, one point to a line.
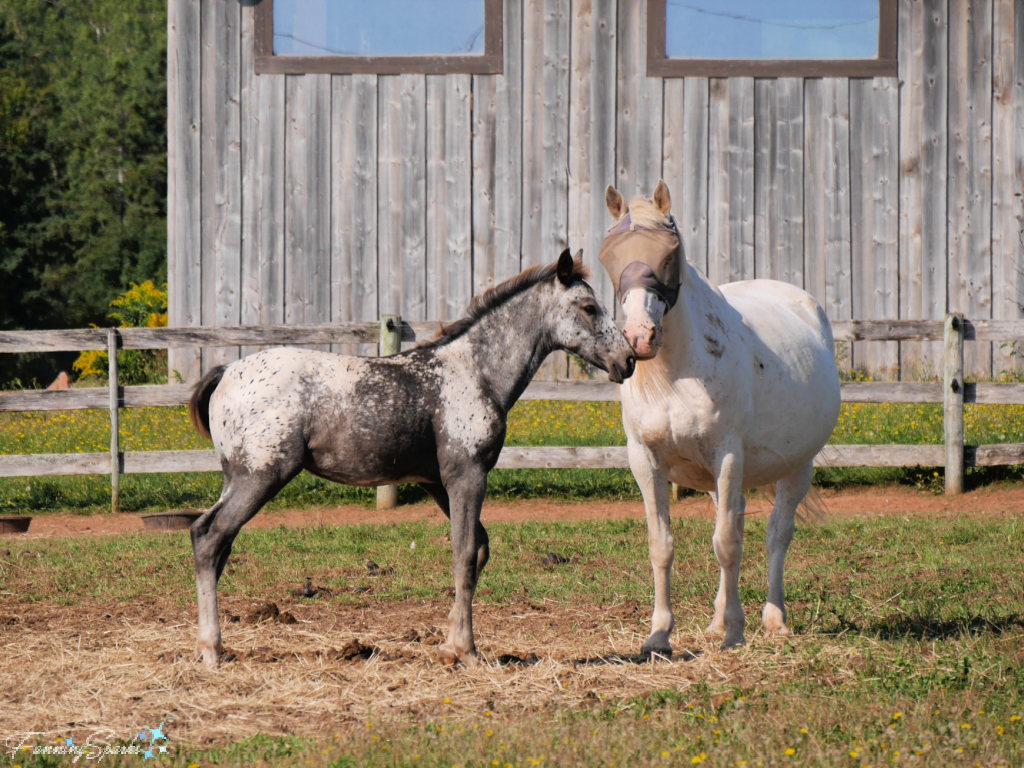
<point>885,65</point>
<point>488,63</point>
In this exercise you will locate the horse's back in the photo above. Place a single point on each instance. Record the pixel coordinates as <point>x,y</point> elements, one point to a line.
<point>766,303</point>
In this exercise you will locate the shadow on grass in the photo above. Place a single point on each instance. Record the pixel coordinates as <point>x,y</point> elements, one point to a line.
<point>926,628</point>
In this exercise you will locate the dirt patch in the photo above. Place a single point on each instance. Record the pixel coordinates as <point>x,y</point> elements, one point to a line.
<point>855,503</point>
<point>122,666</point>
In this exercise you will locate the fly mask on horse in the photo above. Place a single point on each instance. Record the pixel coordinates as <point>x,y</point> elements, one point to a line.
<point>643,253</point>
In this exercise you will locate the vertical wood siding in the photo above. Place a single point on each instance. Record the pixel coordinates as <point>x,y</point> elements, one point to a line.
<point>309,198</point>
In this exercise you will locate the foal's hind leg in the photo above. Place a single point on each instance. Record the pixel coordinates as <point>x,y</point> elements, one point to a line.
<point>788,495</point>
<point>212,536</point>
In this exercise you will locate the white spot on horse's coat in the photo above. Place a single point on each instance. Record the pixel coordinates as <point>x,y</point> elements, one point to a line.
<point>462,399</point>
<point>263,401</point>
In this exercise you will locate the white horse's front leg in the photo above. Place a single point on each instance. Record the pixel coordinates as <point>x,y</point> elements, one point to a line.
<point>654,486</point>
<point>728,543</point>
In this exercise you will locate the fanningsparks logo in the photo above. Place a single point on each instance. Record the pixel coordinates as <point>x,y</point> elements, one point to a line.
<point>147,743</point>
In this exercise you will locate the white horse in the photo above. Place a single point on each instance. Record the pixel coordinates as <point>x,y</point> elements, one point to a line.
<point>736,387</point>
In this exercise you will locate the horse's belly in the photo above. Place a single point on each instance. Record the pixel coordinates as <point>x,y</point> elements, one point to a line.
<point>689,474</point>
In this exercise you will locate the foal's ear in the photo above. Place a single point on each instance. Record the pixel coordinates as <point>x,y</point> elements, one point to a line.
<point>565,268</point>
<point>615,202</point>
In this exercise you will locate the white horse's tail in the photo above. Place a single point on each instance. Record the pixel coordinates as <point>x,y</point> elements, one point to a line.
<point>811,511</point>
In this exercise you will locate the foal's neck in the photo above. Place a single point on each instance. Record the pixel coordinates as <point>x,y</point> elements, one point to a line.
<point>510,343</point>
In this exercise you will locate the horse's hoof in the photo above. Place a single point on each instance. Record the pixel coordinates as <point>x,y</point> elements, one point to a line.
<point>210,657</point>
<point>650,649</point>
<point>733,641</point>
<point>774,621</point>
<point>715,628</point>
<point>450,656</point>
<point>447,657</point>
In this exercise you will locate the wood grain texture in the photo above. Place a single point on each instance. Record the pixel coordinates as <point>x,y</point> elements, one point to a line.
<point>603,79</point>
<point>685,165</point>
<point>923,68</point>
<point>364,256</point>
<point>546,47</point>
<point>953,403</point>
<point>175,338</point>
<point>970,167</point>
<point>449,209</point>
<point>639,108</point>
<point>1007,188</point>
<point>343,146</point>
<point>880,456</point>
<point>151,462</point>
<point>581,146</point>
<point>184,174</point>
<point>874,208</point>
<point>731,180</point>
<point>827,239</point>
<point>263,223</point>
<point>97,398</point>
<point>766,182</point>
<point>307,199</point>
<point>222,172</point>
<point>413,199</point>
<point>497,177</point>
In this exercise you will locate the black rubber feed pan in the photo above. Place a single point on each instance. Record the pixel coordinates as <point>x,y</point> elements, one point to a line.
<point>14,524</point>
<point>170,521</point>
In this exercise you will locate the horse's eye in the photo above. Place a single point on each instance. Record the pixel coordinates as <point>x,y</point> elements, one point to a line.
<point>590,309</point>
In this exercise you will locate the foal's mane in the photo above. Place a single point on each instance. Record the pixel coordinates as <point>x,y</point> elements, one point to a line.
<point>492,298</point>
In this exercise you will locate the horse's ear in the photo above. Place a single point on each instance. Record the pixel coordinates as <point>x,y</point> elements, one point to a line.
<point>661,198</point>
<point>615,202</point>
<point>565,268</point>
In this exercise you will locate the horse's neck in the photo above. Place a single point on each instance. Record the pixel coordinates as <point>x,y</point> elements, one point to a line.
<point>510,343</point>
<point>683,325</point>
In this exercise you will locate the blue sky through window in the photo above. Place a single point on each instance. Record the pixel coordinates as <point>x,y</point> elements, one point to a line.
<point>771,29</point>
<point>378,27</point>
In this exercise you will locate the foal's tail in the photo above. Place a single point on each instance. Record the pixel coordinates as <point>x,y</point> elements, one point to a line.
<point>199,403</point>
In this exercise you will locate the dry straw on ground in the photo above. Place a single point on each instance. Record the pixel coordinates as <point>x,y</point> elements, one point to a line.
<point>78,669</point>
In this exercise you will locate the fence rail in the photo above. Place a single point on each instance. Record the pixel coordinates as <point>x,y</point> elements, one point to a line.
<point>953,392</point>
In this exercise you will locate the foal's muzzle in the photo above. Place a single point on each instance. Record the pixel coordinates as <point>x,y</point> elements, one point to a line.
<point>621,367</point>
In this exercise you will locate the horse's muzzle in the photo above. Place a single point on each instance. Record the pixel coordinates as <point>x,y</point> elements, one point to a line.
<point>621,368</point>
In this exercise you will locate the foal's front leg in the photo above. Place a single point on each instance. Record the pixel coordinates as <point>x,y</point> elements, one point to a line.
<point>728,543</point>
<point>470,552</point>
<point>654,486</point>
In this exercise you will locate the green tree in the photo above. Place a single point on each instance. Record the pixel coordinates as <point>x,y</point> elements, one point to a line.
<point>83,162</point>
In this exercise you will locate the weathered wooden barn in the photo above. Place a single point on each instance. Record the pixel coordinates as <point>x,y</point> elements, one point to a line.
<point>304,191</point>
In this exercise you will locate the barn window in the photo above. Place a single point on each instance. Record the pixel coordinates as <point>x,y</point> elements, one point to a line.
<point>771,38</point>
<point>378,36</point>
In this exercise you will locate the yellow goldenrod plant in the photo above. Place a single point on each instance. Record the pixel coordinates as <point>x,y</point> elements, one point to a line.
<point>142,306</point>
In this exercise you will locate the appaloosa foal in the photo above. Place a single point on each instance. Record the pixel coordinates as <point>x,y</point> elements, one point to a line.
<point>434,415</point>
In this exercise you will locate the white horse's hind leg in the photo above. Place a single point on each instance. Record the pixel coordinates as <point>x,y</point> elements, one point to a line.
<point>728,543</point>
<point>653,484</point>
<point>788,495</point>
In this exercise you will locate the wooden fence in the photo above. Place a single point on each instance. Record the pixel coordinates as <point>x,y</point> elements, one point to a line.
<point>953,392</point>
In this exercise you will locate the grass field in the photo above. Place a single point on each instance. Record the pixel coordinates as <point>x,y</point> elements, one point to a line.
<point>530,423</point>
<point>909,649</point>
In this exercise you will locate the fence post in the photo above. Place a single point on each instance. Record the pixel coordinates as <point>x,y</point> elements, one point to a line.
<point>390,344</point>
<point>953,402</point>
<point>115,447</point>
